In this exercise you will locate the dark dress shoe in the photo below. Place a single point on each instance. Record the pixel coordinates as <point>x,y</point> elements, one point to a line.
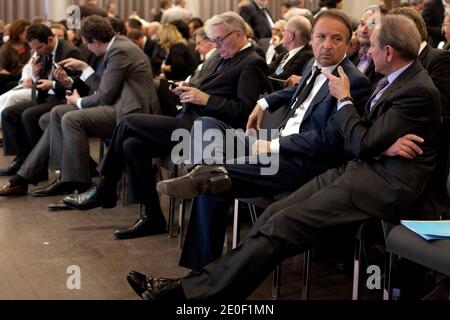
<point>8,191</point>
<point>58,188</point>
<point>144,226</point>
<point>14,166</point>
<point>202,179</point>
<point>59,206</point>
<point>88,200</point>
<point>150,288</point>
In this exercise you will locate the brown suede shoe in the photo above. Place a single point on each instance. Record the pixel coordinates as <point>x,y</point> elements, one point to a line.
<point>8,191</point>
<point>202,179</point>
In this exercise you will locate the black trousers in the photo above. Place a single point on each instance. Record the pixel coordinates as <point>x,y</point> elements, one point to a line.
<point>137,140</point>
<point>20,123</point>
<point>318,212</point>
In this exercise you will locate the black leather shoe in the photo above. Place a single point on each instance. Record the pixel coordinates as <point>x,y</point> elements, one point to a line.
<point>144,226</point>
<point>8,191</point>
<point>59,206</point>
<point>14,166</point>
<point>58,188</point>
<point>150,288</point>
<point>202,179</point>
<point>88,200</point>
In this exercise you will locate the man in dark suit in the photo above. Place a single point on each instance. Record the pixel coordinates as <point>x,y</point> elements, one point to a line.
<point>273,47</point>
<point>20,123</point>
<point>123,85</point>
<point>90,8</point>
<point>433,14</point>
<point>362,58</point>
<point>299,146</point>
<point>229,86</point>
<point>258,17</point>
<point>380,182</point>
<point>296,38</point>
<point>435,61</point>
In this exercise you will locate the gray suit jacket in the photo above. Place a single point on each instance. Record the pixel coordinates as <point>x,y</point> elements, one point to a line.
<point>127,81</point>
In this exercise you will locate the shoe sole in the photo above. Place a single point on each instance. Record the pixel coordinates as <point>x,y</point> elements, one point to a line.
<point>188,189</point>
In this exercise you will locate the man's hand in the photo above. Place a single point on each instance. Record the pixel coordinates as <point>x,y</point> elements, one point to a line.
<point>36,67</point>
<point>61,76</point>
<point>293,80</point>
<point>193,95</point>
<point>27,83</point>
<point>74,64</point>
<point>261,147</point>
<point>44,84</point>
<point>339,86</point>
<point>256,118</point>
<point>72,99</point>
<point>405,147</point>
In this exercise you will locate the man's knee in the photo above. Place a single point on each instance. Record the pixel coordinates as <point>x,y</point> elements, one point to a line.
<point>44,121</point>
<point>131,144</point>
<point>71,120</point>
<point>209,123</point>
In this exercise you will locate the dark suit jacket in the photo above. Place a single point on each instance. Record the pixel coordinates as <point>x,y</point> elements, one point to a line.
<point>257,20</point>
<point>433,14</point>
<point>294,66</point>
<point>64,50</point>
<point>90,10</point>
<point>234,90</point>
<point>410,105</point>
<point>437,63</point>
<point>315,138</point>
<point>127,81</point>
<point>182,62</point>
<point>370,73</point>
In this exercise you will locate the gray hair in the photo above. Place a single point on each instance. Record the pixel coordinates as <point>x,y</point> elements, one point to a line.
<point>231,20</point>
<point>400,33</point>
<point>301,26</point>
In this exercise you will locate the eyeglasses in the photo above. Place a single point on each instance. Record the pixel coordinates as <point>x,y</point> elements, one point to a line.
<point>219,41</point>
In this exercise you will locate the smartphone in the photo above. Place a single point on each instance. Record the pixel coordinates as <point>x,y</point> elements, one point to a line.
<point>57,66</point>
<point>172,85</point>
<point>69,92</point>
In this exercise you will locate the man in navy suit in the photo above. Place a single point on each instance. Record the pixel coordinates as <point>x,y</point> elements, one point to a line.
<point>300,146</point>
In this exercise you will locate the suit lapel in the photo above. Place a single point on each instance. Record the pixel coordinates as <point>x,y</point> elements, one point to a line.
<point>395,86</point>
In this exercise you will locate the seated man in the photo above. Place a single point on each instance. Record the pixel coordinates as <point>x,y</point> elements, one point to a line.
<point>228,86</point>
<point>298,149</point>
<point>379,183</point>
<point>296,39</point>
<point>122,85</point>
<point>20,122</point>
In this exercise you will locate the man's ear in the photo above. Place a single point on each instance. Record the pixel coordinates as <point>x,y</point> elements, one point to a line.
<point>389,53</point>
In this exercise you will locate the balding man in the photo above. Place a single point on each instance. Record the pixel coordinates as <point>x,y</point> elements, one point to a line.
<point>178,12</point>
<point>379,183</point>
<point>296,38</point>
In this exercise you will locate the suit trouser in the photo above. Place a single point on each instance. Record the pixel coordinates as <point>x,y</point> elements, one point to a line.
<point>20,123</point>
<point>208,219</point>
<point>136,141</point>
<point>35,167</point>
<point>319,212</point>
<point>70,130</point>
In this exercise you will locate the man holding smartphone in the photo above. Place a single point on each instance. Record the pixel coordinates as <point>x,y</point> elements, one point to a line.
<point>20,122</point>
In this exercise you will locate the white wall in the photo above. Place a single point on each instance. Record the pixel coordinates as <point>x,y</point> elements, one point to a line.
<point>56,9</point>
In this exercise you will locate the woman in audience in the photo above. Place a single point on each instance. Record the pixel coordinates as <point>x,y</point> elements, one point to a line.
<point>179,62</point>
<point>14,55</point>
<point>59,30</point>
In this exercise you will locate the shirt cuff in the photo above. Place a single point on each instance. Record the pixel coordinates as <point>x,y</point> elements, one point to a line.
<point>34,79</point>
<point>54,84</point>
<point>87,73</point>
<point>275,146</point>
<point>263,103</point>
<point>79,105</point>
<point>343,104</point>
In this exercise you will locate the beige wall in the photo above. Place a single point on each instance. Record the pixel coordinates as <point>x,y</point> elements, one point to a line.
<point>355,8</point>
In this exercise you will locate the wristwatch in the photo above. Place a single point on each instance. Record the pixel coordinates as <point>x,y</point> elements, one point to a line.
<point>345,99</point>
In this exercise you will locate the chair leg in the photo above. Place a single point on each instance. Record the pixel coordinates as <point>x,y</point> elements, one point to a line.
<point>387,276</point>
<point>181,223</point>
<point>236,229</point>
<point>306,275</point>
<point>253,214</point>
<point>172,201</point>
<point>276,282</point>
<point>356,269</point>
